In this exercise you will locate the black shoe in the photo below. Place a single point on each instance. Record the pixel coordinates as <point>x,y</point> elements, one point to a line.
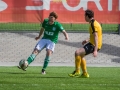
<point>43,71</point>
<point>21,68</point>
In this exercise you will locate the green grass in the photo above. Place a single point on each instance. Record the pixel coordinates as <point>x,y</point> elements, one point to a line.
<point>20,26</point>
<point>101,78</point>
<point>37,26</point>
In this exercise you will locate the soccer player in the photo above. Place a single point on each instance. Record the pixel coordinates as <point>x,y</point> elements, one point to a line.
<point>91,45</point>
<point>51,29</point>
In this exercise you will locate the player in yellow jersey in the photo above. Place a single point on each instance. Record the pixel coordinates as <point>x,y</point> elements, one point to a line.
<point>91,45</point>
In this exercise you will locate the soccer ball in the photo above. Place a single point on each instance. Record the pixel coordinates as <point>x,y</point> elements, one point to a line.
<point>23,64</point>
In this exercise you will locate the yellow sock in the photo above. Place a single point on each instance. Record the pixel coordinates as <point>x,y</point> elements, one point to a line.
<point>77,63</point>
<point>83,66</point>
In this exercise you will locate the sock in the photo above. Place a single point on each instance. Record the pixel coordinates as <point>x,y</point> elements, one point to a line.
<point>46,61</point>
<point>77,63</point>
<point>31,58</point>
<point>83,66</point>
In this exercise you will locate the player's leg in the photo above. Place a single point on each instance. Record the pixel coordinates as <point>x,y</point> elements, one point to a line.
<point>49,50</point>
<point>78,53</point>
<point>46,61</point>
<point>76,72</point>
<point>38,48</point>
<point>83,65</point>
<point>84,68</point>
<point>89,48</point>
<point>33,56</point>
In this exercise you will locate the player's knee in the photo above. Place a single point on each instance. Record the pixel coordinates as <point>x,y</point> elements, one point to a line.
<point>77,53</point>
<point>49,52</point>
<point>35,52</point>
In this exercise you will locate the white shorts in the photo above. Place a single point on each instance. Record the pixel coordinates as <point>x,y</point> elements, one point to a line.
<point>45,43</point>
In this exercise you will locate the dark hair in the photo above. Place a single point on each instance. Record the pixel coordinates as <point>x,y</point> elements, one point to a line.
<point>89,13</point>
<point>54,15</point>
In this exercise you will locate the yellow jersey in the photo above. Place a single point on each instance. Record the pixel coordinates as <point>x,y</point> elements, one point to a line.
<point>95,27</point>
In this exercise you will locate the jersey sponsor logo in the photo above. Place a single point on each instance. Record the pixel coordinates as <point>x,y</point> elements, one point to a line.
<point>49,33</point>
<point>82,4</point>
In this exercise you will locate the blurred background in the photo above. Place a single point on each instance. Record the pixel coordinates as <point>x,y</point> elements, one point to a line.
<point>20,22</point>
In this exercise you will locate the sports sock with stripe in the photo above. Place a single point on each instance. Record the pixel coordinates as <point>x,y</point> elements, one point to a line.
<point>46,61</point>
<point>31,58</point>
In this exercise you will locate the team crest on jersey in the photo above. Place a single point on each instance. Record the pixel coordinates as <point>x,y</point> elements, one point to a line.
<point>54,29</point>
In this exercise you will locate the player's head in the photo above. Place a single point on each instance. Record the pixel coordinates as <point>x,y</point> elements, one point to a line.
<point>89,14</point>
<point>53,16</point>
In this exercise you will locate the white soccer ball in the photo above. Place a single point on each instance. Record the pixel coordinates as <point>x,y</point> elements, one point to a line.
<point>23,64</point>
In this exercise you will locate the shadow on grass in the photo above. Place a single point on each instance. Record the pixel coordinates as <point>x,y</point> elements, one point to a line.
<point>43,76</point>
<point>12,72</point>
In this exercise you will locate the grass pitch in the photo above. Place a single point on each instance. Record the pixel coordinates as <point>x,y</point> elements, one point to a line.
<point>101,78</point>
<point>68,27</point>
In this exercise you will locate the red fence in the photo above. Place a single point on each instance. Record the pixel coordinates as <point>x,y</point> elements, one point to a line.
<point>69,11</point>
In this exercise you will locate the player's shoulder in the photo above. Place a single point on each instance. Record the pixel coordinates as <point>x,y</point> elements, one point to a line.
<point>95,22</point>
<point>46,20</point>
<point>57,23</point>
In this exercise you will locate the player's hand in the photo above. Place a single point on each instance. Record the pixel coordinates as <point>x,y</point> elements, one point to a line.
<point>84,42</point>
<point>37,38</point>
<point>66,38</point>
<point>95,53</point>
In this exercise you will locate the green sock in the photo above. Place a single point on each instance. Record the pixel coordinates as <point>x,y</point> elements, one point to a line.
<point>31,58</point>
<point>46,61</point>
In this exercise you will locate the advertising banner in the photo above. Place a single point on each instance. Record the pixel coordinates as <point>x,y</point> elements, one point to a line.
<point>69,11</point>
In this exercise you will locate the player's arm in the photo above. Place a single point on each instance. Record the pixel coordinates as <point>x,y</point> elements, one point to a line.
<point>95,40</point>
<point>41,30</point>
<point>40,33</point>
<point>65,34</point>
<point>60,27</point>
<point>96,43</point>
<point>85,41</point>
